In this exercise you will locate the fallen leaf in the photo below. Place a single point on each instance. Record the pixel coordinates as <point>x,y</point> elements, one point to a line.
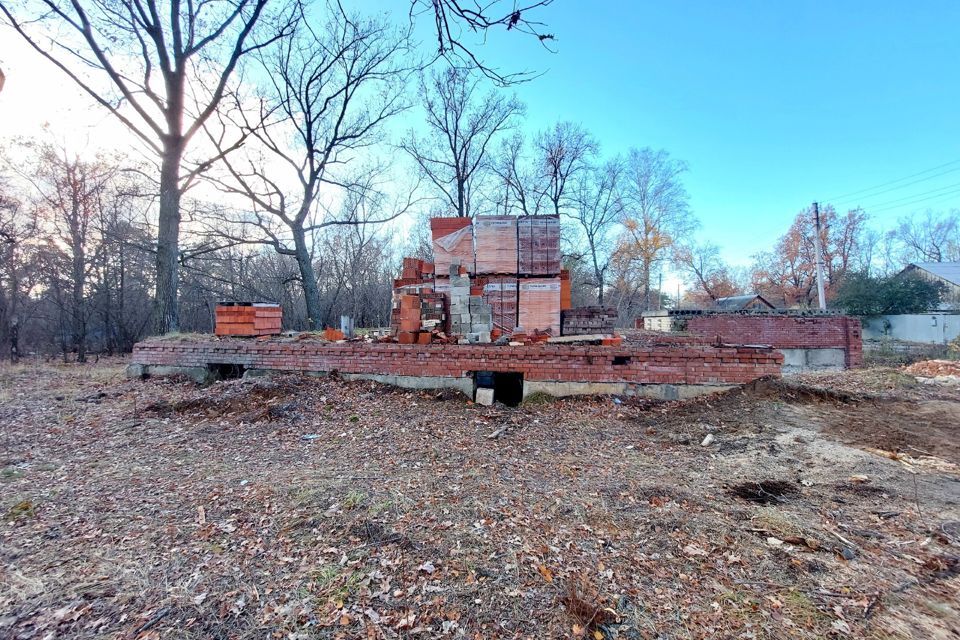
<point>545,572</point>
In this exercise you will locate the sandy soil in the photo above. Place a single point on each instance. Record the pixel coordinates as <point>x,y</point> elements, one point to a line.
<point>294,507</point>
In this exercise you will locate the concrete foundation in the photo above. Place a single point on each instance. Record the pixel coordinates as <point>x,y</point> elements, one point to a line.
<point>652,391</point>
<point>200,375</point>
<point>463,385</point>
<point>800,360</point>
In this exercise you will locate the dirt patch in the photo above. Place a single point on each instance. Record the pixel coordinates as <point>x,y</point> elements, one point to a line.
<point>793,391</point>
<point>924,428</point>
<point>248,401</point>
<point>765,491</point>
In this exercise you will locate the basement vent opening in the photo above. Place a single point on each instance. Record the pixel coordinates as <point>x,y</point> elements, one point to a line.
<point>507,386</point>
<point>227,371</point>
<point>619,361</point>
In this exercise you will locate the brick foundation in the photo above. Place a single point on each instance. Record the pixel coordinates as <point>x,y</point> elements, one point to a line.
<point>782,331</point>
<point>674,363</point>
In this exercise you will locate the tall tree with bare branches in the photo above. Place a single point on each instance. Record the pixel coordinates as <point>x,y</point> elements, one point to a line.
<point>330,90</point>
<point>658,214</point>
<point>461,126</point>
<point>564,152</point>
<point>161,68</point>
<point>597,208</point>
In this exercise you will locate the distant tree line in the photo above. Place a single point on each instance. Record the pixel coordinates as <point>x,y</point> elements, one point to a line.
<point>273,171</point>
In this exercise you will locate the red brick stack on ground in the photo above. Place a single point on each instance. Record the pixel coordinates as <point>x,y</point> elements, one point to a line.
<point>406,314</point>
<point>248,319</point>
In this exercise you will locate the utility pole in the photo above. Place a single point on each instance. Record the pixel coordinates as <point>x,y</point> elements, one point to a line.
<point>660,292</point>
<point>821,294</point>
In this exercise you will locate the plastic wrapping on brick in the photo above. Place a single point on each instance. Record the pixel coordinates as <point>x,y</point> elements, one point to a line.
<point>496,244</point>
<point>452,244</point>
<point>539,305</point>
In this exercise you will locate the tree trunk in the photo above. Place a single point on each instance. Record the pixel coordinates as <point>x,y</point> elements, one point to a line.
<point>79,312</point>
<point>461,199</point>
<point>167,316</point>
<point>311,293</point>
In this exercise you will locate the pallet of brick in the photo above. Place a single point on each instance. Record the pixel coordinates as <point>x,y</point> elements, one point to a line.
<point>591,320</point>
<point>566,292</point>
<point>500,292</point>
<point>452,244</point>
<point>405,313</point>
<point>539,305</point>
<point>496,244</point>
<point>538,245</point>
<point>247,319</point>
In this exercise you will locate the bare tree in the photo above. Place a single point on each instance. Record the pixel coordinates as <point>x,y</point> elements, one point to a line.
<point>704,269</point>
<point>519,190</point>
<point>331,90</point>
<point>70,194</point>
<point>17,226</point>
<point>933,237</point>
<point>597,207</point>
<point>657,210</point>
<point>461,127</point>
<point>452,18</point>
<point>565,151</point>
<point>161,68</point>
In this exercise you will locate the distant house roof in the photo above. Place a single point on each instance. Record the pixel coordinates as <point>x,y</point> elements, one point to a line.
<point>736,303</point>
<point>949,271</point>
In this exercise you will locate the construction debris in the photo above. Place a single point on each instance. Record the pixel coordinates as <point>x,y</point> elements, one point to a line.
<point>496,279</point>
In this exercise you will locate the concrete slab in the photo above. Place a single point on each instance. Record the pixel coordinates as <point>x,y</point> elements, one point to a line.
<point>653,391</point>
<point>463,385</point>
<point>484,397</point>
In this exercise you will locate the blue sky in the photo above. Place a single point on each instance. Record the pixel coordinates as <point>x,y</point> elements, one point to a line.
<point>772,104</point>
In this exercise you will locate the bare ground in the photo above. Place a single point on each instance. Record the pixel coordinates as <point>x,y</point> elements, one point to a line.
<point>316,508</point>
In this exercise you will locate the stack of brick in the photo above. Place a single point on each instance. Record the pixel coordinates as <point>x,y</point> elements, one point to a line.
<point>496,244</point>
<point>588,320</point>
<point>538,264</point>
<point>459,304</point>
<point>539,305</point>
<point>566,292</point>
<point>248,319</point>
<point>452,243</point>
<point>433,311</point>
<point>405,317</point>
<point>500,292</point>
<point>481,320</point>
<point>414,272</point>
<point>538,245</point>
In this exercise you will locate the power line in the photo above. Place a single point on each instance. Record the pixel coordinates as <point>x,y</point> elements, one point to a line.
<point>902,186</point>
<point>907,204</point>
<point>916,195</point>
<point>884,184</point>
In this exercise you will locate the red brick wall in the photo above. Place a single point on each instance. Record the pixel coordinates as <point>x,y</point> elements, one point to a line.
<point>670,364</point>
<point>783,332</point>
